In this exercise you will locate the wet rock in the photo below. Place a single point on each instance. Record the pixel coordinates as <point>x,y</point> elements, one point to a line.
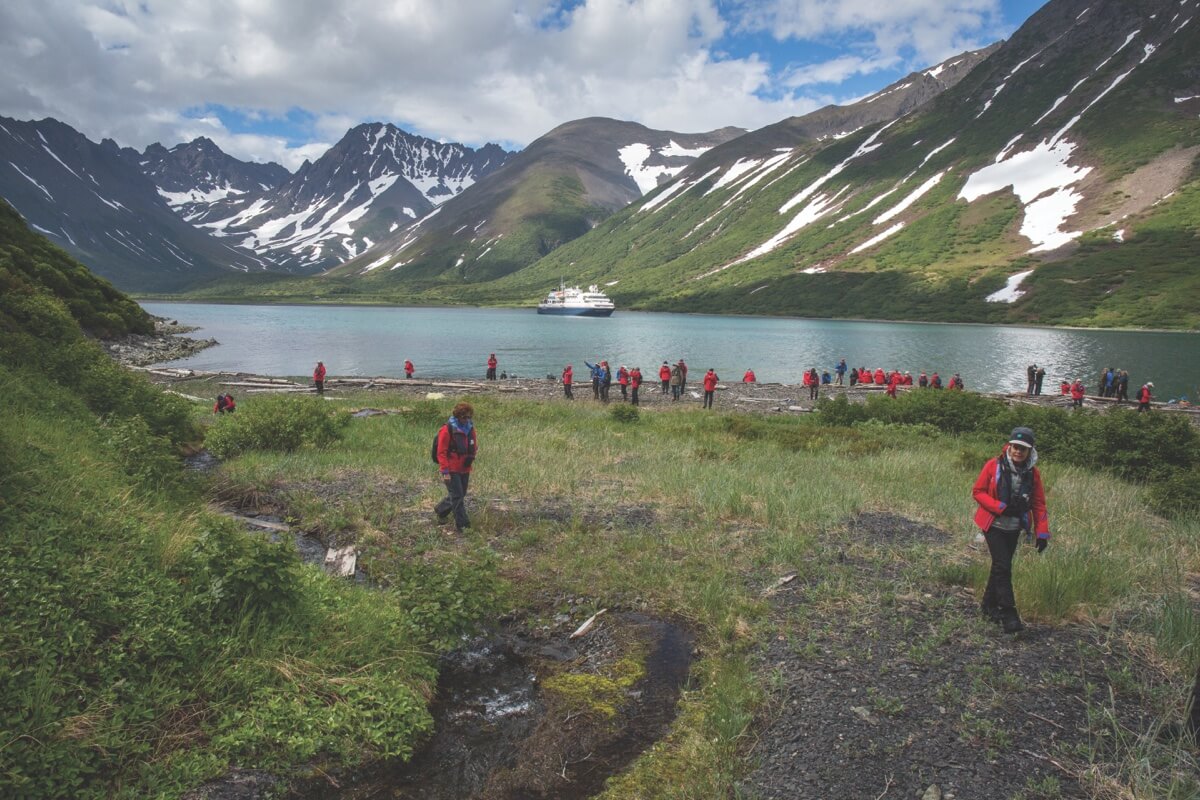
<point>238,784</point>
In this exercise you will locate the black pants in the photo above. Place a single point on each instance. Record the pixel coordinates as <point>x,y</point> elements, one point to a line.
<point>813,391</point>
<point>491,374</point>
<point>567,391</point>
<point>455,500</point>
<point>634,398</point>
<point>624,392</point>
<point>998,596</point>
<point>1143,406</point>
<point>708,398</point>
<point>1037,386</point>
<point>320,387</point>
<point>596,388</point>
<point>666,385</point>
<point>604,390</point>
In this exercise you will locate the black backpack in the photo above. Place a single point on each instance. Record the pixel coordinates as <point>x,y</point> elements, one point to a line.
<point>433,450</point>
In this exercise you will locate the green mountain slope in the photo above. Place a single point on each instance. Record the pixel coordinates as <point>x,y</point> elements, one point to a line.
<point>1078,109</point>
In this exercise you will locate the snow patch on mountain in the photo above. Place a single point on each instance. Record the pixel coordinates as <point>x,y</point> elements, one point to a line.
<point>874,240</point>
<point>1010,293</point>
<point>1032,174</point>
<point>913,197</point>
<point>634,157</point>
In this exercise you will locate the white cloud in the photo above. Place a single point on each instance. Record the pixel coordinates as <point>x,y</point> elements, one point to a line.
<point>922,31</point>
<point>460,70</point>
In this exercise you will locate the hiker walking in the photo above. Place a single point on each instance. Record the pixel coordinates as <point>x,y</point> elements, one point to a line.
<point>635,383</point>
<point>491,367</point>
<point>568,375</point>
<point>319,377</point>
<point>710,387</point>
<point>1011,499</point>
<point>1144,396</point>
<point>457,445</point>
<point>408,369</point>
<point>664,376</point>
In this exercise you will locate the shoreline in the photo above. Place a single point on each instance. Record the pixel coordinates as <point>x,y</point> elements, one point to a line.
<point>1029,325</point>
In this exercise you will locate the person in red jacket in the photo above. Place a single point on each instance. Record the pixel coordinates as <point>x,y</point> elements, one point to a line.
<point>491,367</point>
<point>1077,393</point>
<point>813,381</point>
<point>408,368</point>
<point>319,377</point>
<point>710,387</point>
<point>635,383</point>
<point>623,382</point>
<point>907,379</point>
<point>1144,396</point>
<point>1064,388</point>
<point>880,377</point>
<point>457,445</point>
<point>865,376</point>
<point>664,376</point>
<point>892,384</point>
<point>224,404</point>
<point>568,377</point>
<point>682,376</point>
<point>1011,499</point>
<point>749,377</point>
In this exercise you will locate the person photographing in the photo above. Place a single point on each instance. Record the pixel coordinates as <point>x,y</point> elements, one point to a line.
<point>1011,499</point>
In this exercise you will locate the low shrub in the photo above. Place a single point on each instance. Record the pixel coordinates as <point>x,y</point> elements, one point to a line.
<point>1175,493</point>
<point>276,423</point>
<point>624,414</point>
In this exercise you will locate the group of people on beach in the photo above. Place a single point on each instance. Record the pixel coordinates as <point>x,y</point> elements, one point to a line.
<point>1113,384</point>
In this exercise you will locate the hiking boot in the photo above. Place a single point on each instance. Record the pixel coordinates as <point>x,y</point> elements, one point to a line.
<point>1010,621</point>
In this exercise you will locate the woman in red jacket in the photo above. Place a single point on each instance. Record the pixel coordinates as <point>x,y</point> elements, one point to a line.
<point>568,377</point>
<point>456,449</point>
<point>319,377</point>
<point>635,383</point>
<point>1011,499</point>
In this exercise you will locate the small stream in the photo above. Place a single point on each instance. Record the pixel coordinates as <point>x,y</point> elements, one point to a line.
<point>493,740</point>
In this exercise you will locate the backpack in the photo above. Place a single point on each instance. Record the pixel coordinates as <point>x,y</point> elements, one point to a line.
<point>433,450</point>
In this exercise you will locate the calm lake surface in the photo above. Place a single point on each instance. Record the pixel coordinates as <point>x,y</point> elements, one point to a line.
<point>455,342</point>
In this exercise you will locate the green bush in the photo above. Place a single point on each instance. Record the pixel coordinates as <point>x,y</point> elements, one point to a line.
<point>1176,493</point>
<point>276,423</point>
<point>147,458</point>
<point>624,413</point>
<point>245,574</point>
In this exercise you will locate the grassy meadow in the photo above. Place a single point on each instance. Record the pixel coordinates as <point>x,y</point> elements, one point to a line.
<point>692,515</point>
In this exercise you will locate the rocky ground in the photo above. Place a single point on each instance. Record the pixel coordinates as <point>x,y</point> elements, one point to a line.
<point>167,343</point>
<point>900,690</point>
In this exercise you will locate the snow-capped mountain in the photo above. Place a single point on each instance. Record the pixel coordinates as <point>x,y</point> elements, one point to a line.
<point>1056,182</point>
<point>92,200</point>
<point>553,191</point>
<point>193,176</point>
<point>376,180</point>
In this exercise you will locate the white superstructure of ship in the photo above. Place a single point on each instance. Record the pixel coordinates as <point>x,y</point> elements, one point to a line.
<point>571,301</point>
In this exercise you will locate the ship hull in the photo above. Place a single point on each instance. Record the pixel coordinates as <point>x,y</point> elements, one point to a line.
<point>575,312</point>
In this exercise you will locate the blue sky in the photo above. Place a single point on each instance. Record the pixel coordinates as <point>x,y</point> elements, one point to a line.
<point>283,80</point>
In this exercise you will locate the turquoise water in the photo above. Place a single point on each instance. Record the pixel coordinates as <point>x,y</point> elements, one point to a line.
<point>455,342</point>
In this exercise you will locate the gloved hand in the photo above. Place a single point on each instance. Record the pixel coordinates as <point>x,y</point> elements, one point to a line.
<point>1042,544</point>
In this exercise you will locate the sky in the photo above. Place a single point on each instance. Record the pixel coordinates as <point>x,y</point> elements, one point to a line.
<point>283,80</point>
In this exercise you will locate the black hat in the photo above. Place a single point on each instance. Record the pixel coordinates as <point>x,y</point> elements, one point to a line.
<point>1021,436</point>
